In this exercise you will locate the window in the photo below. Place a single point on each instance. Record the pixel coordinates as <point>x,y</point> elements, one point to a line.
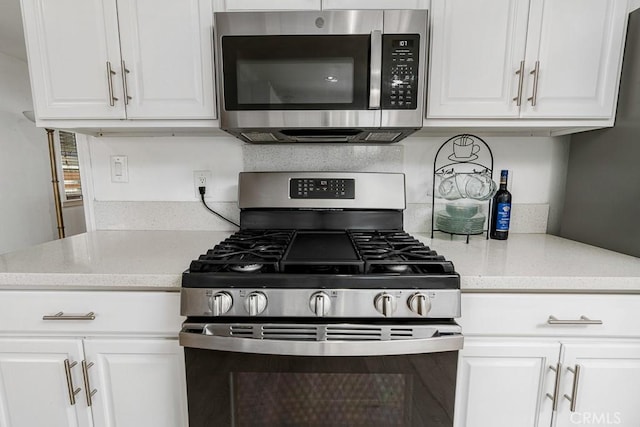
<point>70,171</point>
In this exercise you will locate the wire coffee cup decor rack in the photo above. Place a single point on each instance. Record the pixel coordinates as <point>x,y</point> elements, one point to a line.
<point>463,182</point>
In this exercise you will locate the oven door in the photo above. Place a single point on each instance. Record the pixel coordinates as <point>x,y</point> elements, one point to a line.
<point>299,69</point>
<point>298,381</point>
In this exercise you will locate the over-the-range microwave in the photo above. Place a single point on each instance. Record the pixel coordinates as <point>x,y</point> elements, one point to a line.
<point>321,76</point>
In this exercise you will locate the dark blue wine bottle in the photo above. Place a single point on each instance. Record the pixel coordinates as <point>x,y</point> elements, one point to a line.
<point>501,214</point>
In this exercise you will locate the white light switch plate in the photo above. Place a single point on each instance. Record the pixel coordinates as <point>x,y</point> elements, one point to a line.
<point>119,169</point>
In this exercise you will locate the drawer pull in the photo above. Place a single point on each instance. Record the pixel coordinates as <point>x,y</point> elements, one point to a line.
<point>583,320</point>
<point>61,316</point>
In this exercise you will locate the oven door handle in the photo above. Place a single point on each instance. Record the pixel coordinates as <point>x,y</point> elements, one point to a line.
<point>322,348</point>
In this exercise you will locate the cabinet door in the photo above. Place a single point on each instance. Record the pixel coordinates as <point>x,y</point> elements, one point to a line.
<point>578,46</point>
<point>33,383</point>
<point>504,383</point>
<point>167,51</point>
<point>139,382</point>
<point>476,49</point>
<point>607,388</point>
<point>247,5</point>
<point>374,4</point>
<point>70,44</point>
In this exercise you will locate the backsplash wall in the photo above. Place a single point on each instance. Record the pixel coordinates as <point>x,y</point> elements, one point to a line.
<point>160,193</point>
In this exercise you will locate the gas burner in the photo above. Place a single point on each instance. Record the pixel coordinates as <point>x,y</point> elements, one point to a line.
<point>397,268</point>
<point>246,268</point>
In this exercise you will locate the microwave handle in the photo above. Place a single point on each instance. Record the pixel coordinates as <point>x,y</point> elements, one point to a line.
<point>375,77</point>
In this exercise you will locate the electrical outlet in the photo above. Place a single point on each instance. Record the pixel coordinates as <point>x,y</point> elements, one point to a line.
<point>201,179</point>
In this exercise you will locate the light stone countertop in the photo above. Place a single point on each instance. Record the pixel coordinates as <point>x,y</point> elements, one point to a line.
<point>115,260</point>
<point>155,260</point>
<point>537,263</point>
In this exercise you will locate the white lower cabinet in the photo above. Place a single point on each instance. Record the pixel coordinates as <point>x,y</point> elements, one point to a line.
<point>552,364</point>
<point>607,388</point>
<point>84,359</point>
<point>138,382</point>
<point>35,383</point>
<point>503,383</point>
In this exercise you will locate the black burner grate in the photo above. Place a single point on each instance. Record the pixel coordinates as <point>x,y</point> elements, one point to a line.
<point>247,251</point>
<point>326,253</point>
<point>398,252</point>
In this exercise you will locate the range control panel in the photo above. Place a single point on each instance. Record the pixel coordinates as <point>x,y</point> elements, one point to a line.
<point>400,58</point>
<point>321,188</point>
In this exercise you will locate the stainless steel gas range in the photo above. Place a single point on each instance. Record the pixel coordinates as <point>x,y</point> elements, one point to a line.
<point>321,310</point>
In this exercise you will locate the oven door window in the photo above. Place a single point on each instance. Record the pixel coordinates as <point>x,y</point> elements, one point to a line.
<point>296,72</point>
<point>241,390</point>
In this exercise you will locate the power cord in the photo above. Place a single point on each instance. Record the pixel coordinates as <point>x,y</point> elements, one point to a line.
<point>202,191</point>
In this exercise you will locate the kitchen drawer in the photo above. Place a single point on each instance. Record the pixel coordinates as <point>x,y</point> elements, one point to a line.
<point>524,314</point>
<point>146,313</point>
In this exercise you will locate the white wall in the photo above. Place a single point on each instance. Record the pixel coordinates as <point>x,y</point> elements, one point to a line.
<point>27,213</point>
<point>161,170</point>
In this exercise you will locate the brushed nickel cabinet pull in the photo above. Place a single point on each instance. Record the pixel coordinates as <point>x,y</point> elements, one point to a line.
<point>556,388</point>
<point>574,390</point>
<point>87,384</point>
<point>583,320</point>
<point>70,387</point>
<point>536,74</point>
<point>520,73</point>
<point>110,74</point>
<point>125,71</point>
<point>61,316</point>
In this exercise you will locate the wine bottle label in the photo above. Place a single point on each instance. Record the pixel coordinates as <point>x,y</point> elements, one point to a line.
<point>504,216</point>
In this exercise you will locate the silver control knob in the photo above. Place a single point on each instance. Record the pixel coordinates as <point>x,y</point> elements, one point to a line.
<point>220,303</point>
<point>255,303</point>
<point>320,304</point>
<point>419,304</point>
<point>385,304</point>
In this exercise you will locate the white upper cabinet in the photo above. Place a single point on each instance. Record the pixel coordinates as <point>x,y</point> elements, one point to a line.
<point>374,4</point>
<point>249,5</point>
<point>278,5</point>
<point>70,45</point>
<point>577,45</point>
<point>166,49</point>
<point>476,48</point>
<point>525,58</point>
<point>77,70</point>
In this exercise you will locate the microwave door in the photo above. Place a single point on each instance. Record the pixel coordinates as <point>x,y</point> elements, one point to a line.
<point>301,81</point>
<point>291,72</point>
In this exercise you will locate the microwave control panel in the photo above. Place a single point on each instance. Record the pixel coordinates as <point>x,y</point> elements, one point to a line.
<point>400,56</point>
